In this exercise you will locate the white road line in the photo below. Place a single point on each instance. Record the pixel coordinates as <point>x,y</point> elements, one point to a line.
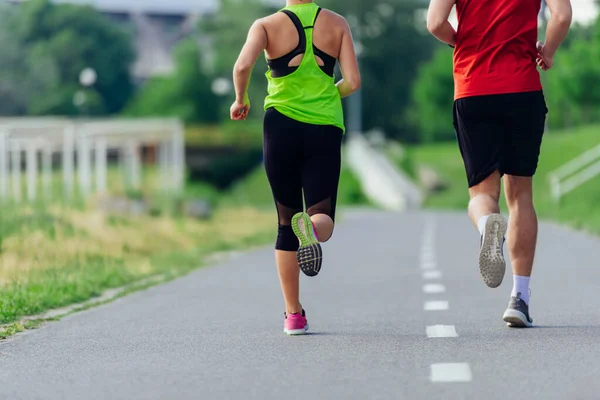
<point>428,266</point>
<point>441,331</point>
<point>432,274</point>
<point>427,255</point>
<point>434,288</point>
<point>428,258</point>
<point>436,306</point>
<point>451,372</point>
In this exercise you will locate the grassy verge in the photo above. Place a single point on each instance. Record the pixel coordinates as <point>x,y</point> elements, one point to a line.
<point>578,209</point>
<point>52,256</point>
<point>55,257</point>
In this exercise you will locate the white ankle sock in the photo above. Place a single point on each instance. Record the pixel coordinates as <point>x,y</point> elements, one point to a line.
<point>521,285</point>
<point>481,223</point>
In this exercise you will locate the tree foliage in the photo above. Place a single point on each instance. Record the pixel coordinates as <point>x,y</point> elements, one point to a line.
<point>571,89</point>
<point>49,45</point>
<point>226,33</point>
<point>433,97</point>
<point>185,94</point>
<point>393,48</point>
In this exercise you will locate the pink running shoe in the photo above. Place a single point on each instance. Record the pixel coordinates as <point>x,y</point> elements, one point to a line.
<point>295,324</point>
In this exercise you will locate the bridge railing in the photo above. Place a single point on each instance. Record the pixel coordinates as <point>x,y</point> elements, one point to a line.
<point>82,147</point>
<point>575,173</point>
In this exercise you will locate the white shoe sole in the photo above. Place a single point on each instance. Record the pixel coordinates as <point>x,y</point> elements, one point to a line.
<point>492,265</point>
<point>295,332</point>
<point>516,319</point>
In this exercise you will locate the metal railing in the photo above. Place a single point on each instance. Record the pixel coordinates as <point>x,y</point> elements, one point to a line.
<point>575,173</point>
<point>383,183</point>
<point>82,147</point>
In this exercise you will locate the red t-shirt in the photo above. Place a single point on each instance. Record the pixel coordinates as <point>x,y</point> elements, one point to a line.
<point>495,49</point>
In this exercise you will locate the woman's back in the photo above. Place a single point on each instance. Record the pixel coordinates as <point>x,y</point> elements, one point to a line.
<point>303,44</point>
<point>283,38</point>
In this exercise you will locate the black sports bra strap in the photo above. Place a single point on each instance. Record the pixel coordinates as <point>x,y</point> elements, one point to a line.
<point>298,24</point>
<point>317,15</point>
<point>280,66</point>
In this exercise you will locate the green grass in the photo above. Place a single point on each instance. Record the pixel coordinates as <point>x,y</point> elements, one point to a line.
<point>578,208</point>
<point>53,254</point>
<point>53,257</point>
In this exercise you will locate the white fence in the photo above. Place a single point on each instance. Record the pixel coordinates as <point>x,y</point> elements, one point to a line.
<point>83,147</point>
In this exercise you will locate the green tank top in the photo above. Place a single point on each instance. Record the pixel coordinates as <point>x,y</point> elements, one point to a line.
<point>307,94</point>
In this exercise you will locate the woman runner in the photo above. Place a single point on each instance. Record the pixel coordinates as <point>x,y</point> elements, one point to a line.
<point>303,130</point>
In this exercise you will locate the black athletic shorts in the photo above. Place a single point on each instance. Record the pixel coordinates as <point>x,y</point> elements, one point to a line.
<point>500,132</point>
<point>301,160</point>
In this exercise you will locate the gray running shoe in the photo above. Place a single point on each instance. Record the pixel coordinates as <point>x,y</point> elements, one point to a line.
<point>310,253</point>
<point>517,313</point>
<point>492,265</point>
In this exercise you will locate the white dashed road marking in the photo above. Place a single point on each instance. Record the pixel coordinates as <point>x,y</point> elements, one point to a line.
<point>441,331</point>
<point>435,274</point>
<point>436,306</point>
<point>434,288</point>
<point>441,372</point>
<point>428,265</point>
<point>451,372</point>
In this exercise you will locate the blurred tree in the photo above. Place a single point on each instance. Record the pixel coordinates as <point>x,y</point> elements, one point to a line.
<point>571,89</point>
<point>59,41</point>
<point>22,76</point>
<point>393,48</point>
<point>227,32</point>
<point>185,94</point>
<point>433,97</point>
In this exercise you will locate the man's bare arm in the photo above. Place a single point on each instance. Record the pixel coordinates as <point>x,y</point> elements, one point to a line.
<point>559,23</point>
<point>437,21</point>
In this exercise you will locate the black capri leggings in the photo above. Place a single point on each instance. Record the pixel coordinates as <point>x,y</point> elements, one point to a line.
<point>299,158</point>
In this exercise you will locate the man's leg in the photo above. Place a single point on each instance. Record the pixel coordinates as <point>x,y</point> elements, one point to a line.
<point>480,139</point>
<point>527,117</point>
<point>521,246</point>
<point>484,200</point>
<point>485,215</point>
<point>523,226</point>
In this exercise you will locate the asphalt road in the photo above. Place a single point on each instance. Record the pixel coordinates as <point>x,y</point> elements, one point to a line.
<point>217,333</point>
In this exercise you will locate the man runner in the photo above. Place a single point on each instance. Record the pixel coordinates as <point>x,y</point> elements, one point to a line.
<point>499,116</point>
<point>303,131</point>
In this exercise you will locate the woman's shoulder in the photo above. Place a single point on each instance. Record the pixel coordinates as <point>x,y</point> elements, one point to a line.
<point>332,17</point>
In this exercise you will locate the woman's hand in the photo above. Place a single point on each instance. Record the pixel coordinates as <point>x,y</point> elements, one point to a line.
<point>239,110</point>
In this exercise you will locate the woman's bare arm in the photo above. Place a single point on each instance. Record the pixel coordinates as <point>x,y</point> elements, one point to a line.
<point>350,81</point>
<point>256,43</point>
